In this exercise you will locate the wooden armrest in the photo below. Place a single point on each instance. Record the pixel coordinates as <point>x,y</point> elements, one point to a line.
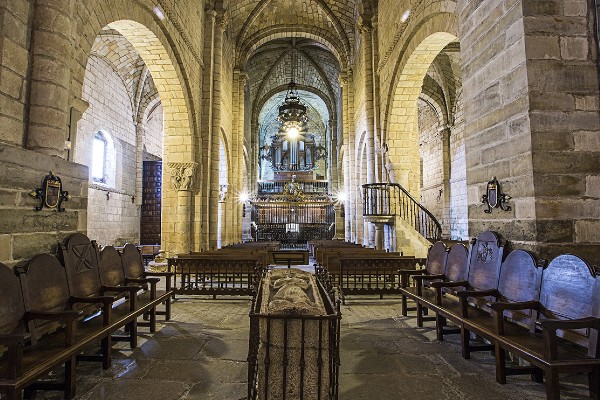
<point>105,300</point>
<point>499,308</point>
<point>165,274</point>
<point>428,277</point>
<point>438,285</point>
<point>142,280</point>
<point>581,323</point>
<point>477,293</point>
<point>408,272</point>
<point>53,316</point>
<point>118,289</point>
<point>523,305</point>
<point>549,328</point>
<point>13,339</point>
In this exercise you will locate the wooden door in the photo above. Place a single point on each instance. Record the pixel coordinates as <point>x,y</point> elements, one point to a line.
<point>151,202</point>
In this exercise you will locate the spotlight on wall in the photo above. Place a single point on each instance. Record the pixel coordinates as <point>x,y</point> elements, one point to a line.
<point>159,13</point>
<point>243,197</point>
<point>405,16</point>
<point>341,197</point>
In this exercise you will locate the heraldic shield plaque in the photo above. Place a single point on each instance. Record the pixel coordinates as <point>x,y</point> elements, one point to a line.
<point>50,194</point>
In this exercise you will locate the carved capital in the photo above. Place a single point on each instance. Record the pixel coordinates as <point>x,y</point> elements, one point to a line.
<point>182,175</point>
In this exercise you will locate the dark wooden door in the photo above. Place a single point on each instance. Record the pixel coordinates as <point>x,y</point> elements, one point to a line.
<point>151,192</point>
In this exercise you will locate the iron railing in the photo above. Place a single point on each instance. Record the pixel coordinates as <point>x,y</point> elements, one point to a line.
<point>307,187</point>
<point>383,199</point>
<point>294,354</point>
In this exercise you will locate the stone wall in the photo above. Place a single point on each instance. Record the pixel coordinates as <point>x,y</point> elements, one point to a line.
<point>25,232</point>
<point>112,217</point>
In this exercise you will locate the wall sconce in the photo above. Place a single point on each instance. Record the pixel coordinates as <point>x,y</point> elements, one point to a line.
<point>494,198</point>
<point>107,196</point>
<point>133,199</point>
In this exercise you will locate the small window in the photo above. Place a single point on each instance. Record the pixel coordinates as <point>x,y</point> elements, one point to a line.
<point>99,158</point>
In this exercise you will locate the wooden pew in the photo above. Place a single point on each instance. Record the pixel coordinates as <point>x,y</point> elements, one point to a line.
<point>26,353</point>
<point>435,267</point>
<point>133,268</point>
<point>456,270</point>
<point>79,256</point>
<point>225,274</point>
<point>564,337</point>
<point>112,275</point>
<point>485,258</point>
<point>369,275</point>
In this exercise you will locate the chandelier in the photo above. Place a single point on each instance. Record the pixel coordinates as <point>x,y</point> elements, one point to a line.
<point>292,113</point>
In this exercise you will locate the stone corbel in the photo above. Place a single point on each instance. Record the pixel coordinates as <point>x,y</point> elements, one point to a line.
<point>182,175</point>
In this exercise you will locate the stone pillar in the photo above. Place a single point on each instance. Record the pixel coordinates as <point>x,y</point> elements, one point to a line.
<point>365,29</point>
<point>350,149</point>
<point>253,156</point>
<point>207,117</point>
<point>446,174</point>
<point>241,168</point>
<point>379,159</point>
<point>182,180</point>
<point>216,128</point>
<point>379,235</point>
<point>50,77</point>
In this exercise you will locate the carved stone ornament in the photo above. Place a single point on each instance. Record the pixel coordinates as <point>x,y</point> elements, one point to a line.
<point>223,193</point>
<point>182,175</point>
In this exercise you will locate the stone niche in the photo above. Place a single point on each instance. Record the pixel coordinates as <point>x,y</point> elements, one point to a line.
<point>295,355</point>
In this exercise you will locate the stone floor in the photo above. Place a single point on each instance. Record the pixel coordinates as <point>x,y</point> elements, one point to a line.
<point>201,353</point>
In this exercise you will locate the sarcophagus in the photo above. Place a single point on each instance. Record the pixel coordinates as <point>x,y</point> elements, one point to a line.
<point>294,343</point>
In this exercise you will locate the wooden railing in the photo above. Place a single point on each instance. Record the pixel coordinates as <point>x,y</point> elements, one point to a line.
<point>382,199</point>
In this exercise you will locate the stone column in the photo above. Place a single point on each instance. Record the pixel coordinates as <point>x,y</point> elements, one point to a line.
<point>182,180</point>
<point>243,79</point>
<point>253,155</point>
<point>216,128</point>
<point>379,159</point>
<point>50,77</point>
<point>446,174</point>
<point>365,30</point>
<point>350,149</point>
<point>207,118</point>
<point>139,161</point>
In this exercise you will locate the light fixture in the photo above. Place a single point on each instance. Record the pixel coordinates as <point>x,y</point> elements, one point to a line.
<point>243,197</point>
<point>292,113</point>
<point>341,197</point>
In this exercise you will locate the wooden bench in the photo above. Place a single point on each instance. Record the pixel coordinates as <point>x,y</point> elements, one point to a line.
<point>112,275</point>
<point>435,267</point>
<point>485,258</point>
<point>214,275</point>
<point>289,257</point>
<point>563,333</point>
<point>26,353</point>
<point>133,268</point>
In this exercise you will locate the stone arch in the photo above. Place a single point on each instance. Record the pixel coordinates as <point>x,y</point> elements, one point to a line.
<point>344,44</point>
<point>250,45</point>
<point>157,48</point>
<point>401,133</point>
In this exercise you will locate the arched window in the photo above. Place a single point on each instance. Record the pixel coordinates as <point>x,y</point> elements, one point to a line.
<point>99,158</point>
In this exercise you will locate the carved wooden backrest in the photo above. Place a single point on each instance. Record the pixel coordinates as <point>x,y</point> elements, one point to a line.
<point>457,263</point>
<point>485,259</point>
<point>45,288</point>
<point>570,290</point>
<point>520,279</point>
<point>133,265</point>
<point>436,259</point>
<point>80,260</point>
<point>11,303</point>
<point>110,266</point>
